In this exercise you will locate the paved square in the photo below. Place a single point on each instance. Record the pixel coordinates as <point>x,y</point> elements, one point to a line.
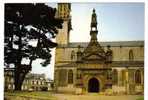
<point>95,97</point>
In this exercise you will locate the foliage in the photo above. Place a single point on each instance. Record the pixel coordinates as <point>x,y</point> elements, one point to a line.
<point>25,23</point>
<point>141,98</point>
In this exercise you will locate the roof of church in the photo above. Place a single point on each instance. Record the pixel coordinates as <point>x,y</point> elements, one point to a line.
<point>113,64</point>
<point>111,43</point>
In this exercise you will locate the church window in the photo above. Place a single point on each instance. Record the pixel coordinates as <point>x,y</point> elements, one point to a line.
<point>138,77</point>
<point>131,55</point>
<point>70,77</point>
<point>62,77</point>
<point>115,76</point>
<point>123,77</point>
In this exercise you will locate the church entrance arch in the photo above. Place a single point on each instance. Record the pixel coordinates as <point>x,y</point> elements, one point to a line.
<point>93,85</point>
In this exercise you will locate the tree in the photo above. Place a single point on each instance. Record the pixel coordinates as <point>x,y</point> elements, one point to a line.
<point>42,28</point>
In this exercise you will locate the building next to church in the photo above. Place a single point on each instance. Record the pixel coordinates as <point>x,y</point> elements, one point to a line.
<point>96,66</point>
<point>32,82</point>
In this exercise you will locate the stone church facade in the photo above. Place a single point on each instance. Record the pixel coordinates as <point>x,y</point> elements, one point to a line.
<point>100,67</point>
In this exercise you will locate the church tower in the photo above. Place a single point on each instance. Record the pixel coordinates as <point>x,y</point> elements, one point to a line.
<point>63,12</point>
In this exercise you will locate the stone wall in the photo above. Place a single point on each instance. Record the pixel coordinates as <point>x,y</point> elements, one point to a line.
<point>119,53</point>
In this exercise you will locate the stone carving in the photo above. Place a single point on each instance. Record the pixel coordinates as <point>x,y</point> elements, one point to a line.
<point>72,55</point>
<point>109,54</point>
<point>131,55</point>
<point>79,54</point>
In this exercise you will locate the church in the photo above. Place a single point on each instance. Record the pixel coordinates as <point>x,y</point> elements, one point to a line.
<point>96,67</point>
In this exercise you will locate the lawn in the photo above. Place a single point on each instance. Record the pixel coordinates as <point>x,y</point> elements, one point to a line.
<point>141,98</point>
<point>40,95</point>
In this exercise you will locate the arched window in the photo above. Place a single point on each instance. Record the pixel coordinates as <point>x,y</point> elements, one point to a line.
<point>138,77</point>
<point>62,77</point>
<point>115,77</point>
<point>123,77</point>
<point>131,55</point>
<point>70,77</point>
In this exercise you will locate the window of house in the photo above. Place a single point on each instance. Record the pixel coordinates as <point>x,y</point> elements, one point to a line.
<point>32,82</point>
<point>37,82</point>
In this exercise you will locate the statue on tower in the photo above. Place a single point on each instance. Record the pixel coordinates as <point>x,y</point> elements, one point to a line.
<point>94,20</point>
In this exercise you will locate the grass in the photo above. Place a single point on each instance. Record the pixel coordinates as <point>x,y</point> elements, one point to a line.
<point>141,98</point>
<point>41,95</point>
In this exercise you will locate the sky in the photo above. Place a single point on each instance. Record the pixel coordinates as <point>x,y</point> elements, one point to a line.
<point>116,22</point>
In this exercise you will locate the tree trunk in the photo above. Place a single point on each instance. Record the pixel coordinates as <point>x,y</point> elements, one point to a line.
<point>20,74</point>
<point>18,81</point>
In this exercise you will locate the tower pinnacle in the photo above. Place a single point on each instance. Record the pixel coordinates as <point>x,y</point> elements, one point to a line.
<point>94,31</point>
<point>94,51</point>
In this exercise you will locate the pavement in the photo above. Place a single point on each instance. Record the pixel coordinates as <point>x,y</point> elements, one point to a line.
<point>96,97</point>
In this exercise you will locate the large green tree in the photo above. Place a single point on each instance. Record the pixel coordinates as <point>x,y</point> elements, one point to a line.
<point>25,23</point>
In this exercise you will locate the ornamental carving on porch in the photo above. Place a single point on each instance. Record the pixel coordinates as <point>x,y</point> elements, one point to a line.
<point>93,52</point>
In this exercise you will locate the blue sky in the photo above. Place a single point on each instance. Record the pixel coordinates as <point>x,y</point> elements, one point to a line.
<point>116,22</point>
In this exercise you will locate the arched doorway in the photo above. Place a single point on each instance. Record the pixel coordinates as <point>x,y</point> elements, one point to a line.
<point>93,85</point>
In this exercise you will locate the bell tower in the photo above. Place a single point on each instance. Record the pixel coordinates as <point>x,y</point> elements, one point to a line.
<point>63,12</point>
